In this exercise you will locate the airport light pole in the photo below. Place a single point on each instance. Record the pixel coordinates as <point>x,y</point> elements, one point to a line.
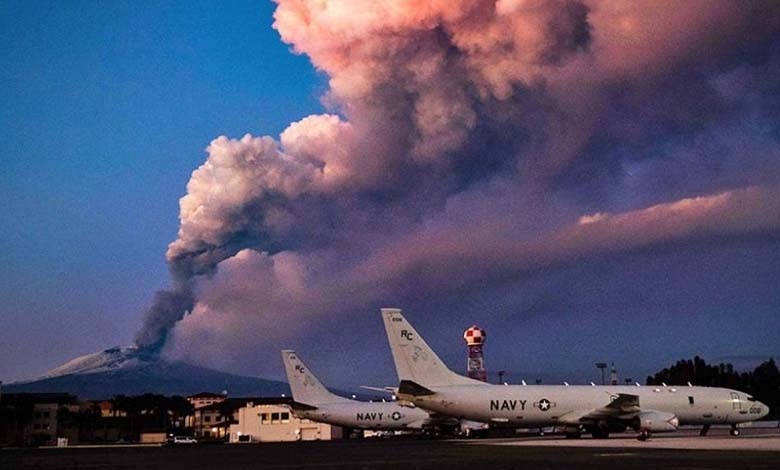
<point>603,367</point>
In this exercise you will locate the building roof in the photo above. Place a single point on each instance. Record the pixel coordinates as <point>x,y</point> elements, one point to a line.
<point>240,402</point>
<point>207,395</point>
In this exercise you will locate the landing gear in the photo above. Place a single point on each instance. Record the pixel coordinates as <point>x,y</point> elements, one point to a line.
<point>704,430</point>
<point>600,433</point>
<point>643,435</point>
<point>734,431</point>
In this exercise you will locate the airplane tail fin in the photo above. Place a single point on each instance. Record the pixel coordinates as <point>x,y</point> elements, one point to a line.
<point>415,361</point>
<point>306,389</point>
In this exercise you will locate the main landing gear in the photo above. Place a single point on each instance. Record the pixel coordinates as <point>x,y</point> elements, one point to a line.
<point>643,435</point>
<point>704,430</point>
<point>734,430</point>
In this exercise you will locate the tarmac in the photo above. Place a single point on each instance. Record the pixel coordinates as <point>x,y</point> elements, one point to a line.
<point>755,448</point>
<point>751,439</point>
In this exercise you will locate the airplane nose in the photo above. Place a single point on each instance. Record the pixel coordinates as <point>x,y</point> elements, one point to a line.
<point>764,409</point>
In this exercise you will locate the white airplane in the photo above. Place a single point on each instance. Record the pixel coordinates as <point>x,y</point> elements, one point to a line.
<point>315,402</point>
<point>429,384</point>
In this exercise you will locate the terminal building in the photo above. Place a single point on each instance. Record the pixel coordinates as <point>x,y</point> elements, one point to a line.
<point>271,420</point>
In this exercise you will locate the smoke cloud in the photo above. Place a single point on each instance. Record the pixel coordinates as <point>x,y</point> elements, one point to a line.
<point>472,145</point>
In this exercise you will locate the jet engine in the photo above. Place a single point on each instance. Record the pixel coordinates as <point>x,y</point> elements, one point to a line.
<point>656,421</point>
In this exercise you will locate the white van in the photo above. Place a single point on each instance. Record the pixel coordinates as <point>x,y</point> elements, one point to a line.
<point>184,440</point>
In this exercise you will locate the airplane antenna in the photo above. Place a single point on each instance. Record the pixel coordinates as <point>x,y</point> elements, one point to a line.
<point>637,384</point>
<point>523,382</point>
<point>592,384</point>
<point>566,383</point>
<point>663,383</point>
<point>689,384</point>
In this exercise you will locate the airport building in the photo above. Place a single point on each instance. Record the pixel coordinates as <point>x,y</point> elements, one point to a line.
<point>271,420</point>
<point>202,399</point>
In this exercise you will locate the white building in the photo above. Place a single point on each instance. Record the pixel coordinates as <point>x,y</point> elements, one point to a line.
<point>271,421</point>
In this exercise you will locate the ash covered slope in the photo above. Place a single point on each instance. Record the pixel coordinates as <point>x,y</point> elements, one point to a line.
<point>131,371</point>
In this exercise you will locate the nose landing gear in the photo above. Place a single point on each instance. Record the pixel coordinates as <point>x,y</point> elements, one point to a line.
<point>734,430</point>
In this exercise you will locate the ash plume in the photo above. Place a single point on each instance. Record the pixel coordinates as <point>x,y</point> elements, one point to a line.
<point>474,144</point>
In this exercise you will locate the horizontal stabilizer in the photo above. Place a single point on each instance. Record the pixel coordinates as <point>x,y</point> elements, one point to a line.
<point>414,389</point>
<point>390,390</point>
<point>296,405</point>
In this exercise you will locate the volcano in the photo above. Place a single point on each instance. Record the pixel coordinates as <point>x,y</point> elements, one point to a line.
<point>133,371</point>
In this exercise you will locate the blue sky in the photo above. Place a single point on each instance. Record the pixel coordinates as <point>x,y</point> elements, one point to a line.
<point>107,109</point>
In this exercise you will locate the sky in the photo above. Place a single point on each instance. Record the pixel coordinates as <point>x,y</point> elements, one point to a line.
<point>587,181</point>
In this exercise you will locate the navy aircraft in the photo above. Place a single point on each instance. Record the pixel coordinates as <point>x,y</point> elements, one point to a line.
<point>426,382</point>
<point>313,401</point>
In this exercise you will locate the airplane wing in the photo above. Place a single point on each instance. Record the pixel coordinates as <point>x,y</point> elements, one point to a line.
<point>622,407</point>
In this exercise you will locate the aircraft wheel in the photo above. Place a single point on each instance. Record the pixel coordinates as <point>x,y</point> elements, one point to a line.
<point>643,436</point>
<point>734,432</point>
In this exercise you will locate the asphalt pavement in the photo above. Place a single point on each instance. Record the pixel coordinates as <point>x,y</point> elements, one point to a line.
<point>547,453</point>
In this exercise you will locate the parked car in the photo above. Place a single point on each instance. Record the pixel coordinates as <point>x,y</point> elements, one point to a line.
<point>184,440</point>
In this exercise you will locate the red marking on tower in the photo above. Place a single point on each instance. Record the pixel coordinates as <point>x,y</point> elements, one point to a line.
<point>475,338</point>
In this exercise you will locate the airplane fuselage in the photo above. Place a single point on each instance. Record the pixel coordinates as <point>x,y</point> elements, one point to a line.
<point>366,415</point>
<point>541,405</point>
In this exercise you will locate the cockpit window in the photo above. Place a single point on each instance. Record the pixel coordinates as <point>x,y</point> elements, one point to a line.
<point>749,398</point>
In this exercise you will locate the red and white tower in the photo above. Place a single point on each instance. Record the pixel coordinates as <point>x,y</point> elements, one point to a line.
<point>475,338</point>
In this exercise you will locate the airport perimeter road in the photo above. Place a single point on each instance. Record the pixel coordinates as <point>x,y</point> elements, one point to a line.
<point>388,454</point>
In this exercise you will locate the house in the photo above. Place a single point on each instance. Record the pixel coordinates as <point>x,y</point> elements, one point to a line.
<point>108,410</point>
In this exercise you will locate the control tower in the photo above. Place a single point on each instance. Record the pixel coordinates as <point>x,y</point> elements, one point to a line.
<point>475,338</point>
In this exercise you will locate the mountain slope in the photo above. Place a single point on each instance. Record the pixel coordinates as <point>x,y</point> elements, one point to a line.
<point>130,371</point>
